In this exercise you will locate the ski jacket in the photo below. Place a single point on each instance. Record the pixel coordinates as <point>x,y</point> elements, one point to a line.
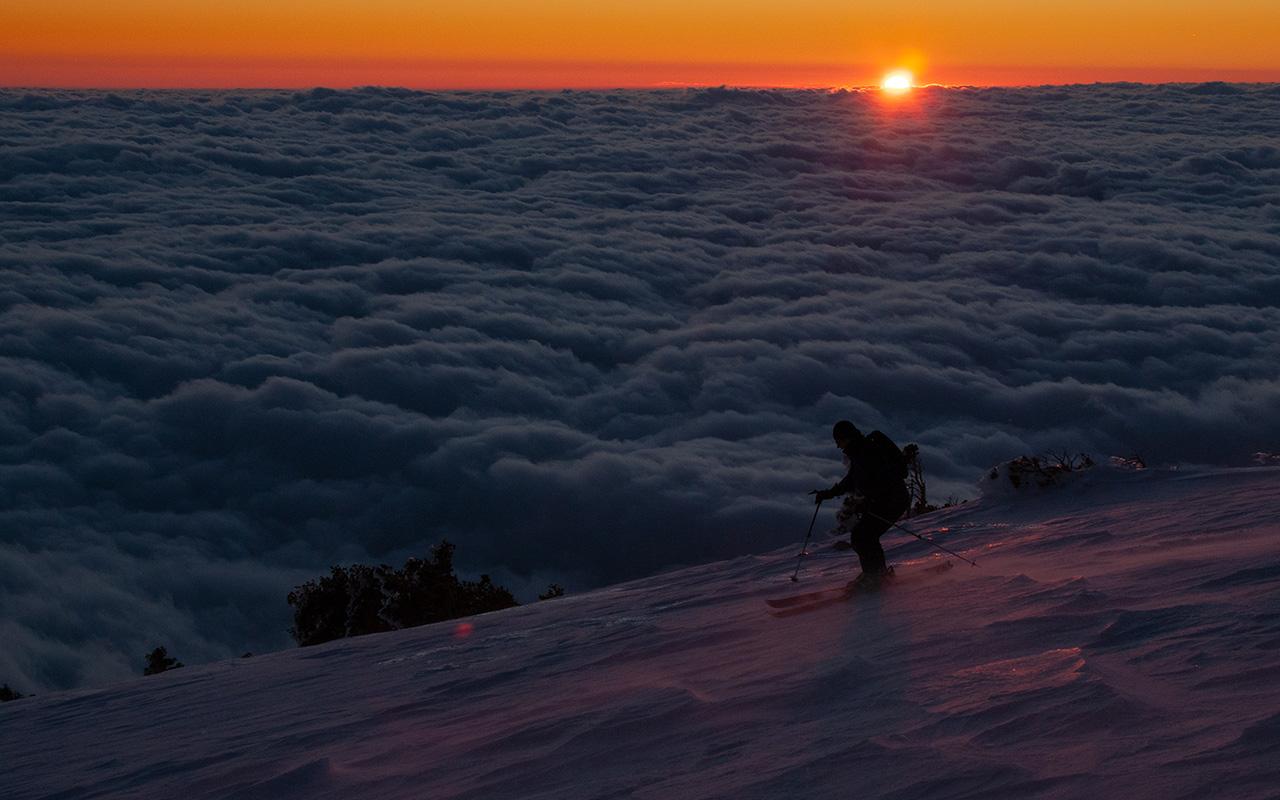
<point>877,468</point>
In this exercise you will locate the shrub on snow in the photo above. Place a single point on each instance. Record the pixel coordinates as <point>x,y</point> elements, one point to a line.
<point>1040,472</point>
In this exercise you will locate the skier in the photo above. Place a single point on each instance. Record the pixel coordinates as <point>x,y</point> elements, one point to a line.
<point>875,492</point>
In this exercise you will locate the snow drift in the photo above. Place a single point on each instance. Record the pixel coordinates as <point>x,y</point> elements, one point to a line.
<point>1119,639</point>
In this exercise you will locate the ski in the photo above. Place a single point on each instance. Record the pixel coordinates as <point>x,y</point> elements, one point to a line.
<point>842,594</point>
<point>812,601</point>
<point>807,597</point>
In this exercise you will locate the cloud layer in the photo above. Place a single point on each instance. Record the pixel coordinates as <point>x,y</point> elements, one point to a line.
<point>584,335</point>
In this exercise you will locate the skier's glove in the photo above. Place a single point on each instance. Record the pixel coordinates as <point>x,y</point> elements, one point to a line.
<point>823,494</point>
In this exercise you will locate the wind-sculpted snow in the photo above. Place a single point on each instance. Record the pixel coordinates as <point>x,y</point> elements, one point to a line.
<point>585,336</point>
<point>1139,666</point>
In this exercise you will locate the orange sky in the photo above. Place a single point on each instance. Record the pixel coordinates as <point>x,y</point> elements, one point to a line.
<point>601,43</point>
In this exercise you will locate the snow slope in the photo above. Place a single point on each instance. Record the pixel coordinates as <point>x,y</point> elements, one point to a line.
<point>1120,639</point>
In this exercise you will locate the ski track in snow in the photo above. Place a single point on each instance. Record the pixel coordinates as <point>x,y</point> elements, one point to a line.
<point>1119,639</point>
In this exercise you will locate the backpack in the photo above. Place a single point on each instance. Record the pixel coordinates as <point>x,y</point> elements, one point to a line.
<point>892,461</point>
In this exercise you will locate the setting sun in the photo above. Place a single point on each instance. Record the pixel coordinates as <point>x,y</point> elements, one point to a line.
<point>897,82</point>
<point>507,44</point>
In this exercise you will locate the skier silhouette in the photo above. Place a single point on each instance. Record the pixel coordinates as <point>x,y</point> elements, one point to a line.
<point>875,492</point>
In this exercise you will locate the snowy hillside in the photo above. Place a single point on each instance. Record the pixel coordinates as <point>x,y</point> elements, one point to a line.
<point>1120,639</point>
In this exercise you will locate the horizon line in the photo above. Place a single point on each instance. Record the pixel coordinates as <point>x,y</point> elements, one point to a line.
<point>71,72</point>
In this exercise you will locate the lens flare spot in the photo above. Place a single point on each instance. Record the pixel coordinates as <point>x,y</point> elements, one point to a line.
<point>463,629</point>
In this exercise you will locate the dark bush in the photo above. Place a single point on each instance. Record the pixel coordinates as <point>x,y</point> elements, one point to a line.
<point>1043,471</point>
<point>358,600</point>
<point>158,661</point>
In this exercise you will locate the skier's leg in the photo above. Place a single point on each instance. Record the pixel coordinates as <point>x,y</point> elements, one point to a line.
<point>865,538</point>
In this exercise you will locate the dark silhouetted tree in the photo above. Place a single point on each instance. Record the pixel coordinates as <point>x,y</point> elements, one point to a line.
<point>915,481</point>
<point>479,597</point>
<point>7,694</point>
<point>320,609</point>
<point>364,601</point>
<point>346,603</point>
<point>158,661</point>
<point>359,599</point>
<point>423,591</point>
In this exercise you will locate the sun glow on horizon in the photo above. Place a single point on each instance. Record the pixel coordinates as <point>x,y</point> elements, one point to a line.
<point>509,44</point>
<point>897,81</point>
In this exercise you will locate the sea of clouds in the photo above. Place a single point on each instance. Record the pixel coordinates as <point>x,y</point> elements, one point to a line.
<point>585,336</point>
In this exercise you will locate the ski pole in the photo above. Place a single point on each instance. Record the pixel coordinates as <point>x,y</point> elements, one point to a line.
<point>805,546</point>
<point>930,542</point>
